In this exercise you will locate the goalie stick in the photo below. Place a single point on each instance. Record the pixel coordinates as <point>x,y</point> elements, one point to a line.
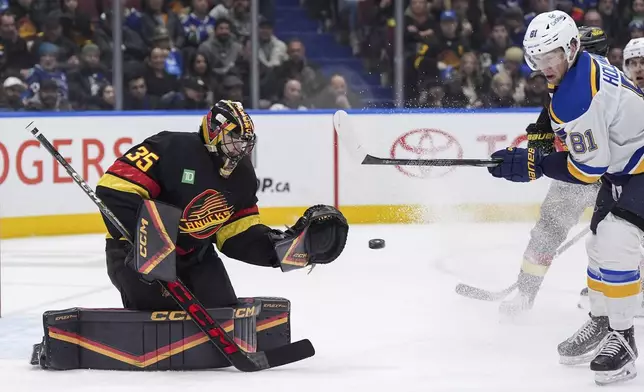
<point>346,133</point>
<point>486,295</point>
<point>246,362</point>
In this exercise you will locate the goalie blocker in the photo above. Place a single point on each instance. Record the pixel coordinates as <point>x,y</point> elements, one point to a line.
<point>119,339</point>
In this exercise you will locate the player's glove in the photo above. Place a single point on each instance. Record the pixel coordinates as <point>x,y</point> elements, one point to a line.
<point>130,262</point>
<point>540,138</point>
<point>318,237</point>
<point>519,164</point>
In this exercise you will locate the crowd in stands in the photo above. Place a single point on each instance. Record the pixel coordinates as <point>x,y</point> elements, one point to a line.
<point>56,55</point>
<point>468,53</point>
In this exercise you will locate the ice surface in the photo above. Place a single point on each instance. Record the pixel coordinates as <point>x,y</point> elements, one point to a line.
<point>381,320</point>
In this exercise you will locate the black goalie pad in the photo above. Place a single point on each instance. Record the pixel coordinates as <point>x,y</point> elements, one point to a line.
<point>119,339</point>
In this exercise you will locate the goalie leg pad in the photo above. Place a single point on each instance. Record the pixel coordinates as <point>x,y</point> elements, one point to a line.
<point>119,339</point>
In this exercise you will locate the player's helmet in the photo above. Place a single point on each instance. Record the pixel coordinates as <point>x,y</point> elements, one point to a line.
<point>547,32</point>
<point>594,40</point>
<point>228,131</point>
<point>634,48</point>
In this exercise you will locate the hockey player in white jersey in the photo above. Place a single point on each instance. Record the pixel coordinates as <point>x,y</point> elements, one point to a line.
<point>599,113</point>
<point>633,65</point>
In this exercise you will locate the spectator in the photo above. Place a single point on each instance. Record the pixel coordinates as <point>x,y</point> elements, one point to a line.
<point>77,25</point>
<point>46,69</point>
<point>198,26</point>
<point>500,95</point>
<point>174,59</point>
<point>31,15</point>
<point>419,24</point>
<point>593,18</point>
<point>445,50</point>
<point>132,18</point>
<point>198,67</point>
<point>14,56</point>
<point>292,98</point>
<point>469,18</point>
<point>494,48</point>
<point>636,29</point>
<point>472,79</point>
<point>337,96</point>
<point>133,48</point>
<point>514,67</point>
<point>222,10</point>
<point>607,10</point>
<point>158,81</point>
<point>297,67</point>
<point>13,89</point>
<point>515,23</point>
<point>137,97</point>
<point>222,50</point>
<point>53,34</point>
<point>104,100</point>
<point>240,19</point>
<point>536,91</point>
<point>454,96</point>
<point>272,51</point>
<point>638,10</point>
<point>86,82</point>
<point>47,99</point>
<point>191,97</point>
<point>616,56</point>
<point>233,89</point>
<point>155,14</point>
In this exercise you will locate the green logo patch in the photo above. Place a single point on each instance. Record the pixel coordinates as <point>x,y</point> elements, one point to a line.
<point>188,176</point>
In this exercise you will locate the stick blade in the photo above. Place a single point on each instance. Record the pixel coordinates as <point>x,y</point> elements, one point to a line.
<point>481,294</point>
<point>348,138</point>
<point>290,353</point>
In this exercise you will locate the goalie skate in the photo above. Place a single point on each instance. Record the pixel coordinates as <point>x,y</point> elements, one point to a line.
<point>615,362</point>
<point>584,344</point>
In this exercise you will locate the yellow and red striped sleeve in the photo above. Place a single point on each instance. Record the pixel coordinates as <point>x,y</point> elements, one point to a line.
<point>241,221</point>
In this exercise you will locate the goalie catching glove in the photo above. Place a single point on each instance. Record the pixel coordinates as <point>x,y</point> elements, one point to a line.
<point>318,237</point>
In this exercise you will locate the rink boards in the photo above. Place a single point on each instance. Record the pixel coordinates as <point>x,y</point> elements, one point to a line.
<point>297,161</point>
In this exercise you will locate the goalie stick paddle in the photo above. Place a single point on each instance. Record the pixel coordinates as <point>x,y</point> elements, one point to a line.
<point>243,361</point>
<point>349,138</point>
<point>486,295</point>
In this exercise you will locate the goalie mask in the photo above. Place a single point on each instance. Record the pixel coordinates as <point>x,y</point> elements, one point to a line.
<point>228,131</point>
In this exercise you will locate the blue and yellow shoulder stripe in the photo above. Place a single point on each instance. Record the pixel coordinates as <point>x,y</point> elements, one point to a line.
<point>573,96</point>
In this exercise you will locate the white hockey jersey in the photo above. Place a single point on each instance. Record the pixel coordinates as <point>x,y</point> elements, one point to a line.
<point>599,113</point>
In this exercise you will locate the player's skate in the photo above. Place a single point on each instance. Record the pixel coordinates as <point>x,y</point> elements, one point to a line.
<point>584,344</point>
<point>616,359</point>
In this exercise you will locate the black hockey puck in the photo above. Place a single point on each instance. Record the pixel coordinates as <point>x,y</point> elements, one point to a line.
<point>376,243</point>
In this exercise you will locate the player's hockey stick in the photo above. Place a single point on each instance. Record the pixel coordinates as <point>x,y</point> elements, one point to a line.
<point>351,142</point>
<point>486,295</point>
<point>246,362</point>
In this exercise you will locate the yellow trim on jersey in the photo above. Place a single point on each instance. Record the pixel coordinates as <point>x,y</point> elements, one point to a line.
<point>631,89</point>
<point>121,185</point>
<point>580,175</point>
<point>553,116</point>
<point>614,291</point>
<point>232,229</point>
<point>593,78</point>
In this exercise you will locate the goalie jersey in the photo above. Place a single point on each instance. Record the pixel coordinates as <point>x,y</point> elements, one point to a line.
<point>599,113</point>
<point>176,168</point>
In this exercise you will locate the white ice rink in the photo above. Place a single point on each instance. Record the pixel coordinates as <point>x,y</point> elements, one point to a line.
<point>381,320</point>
